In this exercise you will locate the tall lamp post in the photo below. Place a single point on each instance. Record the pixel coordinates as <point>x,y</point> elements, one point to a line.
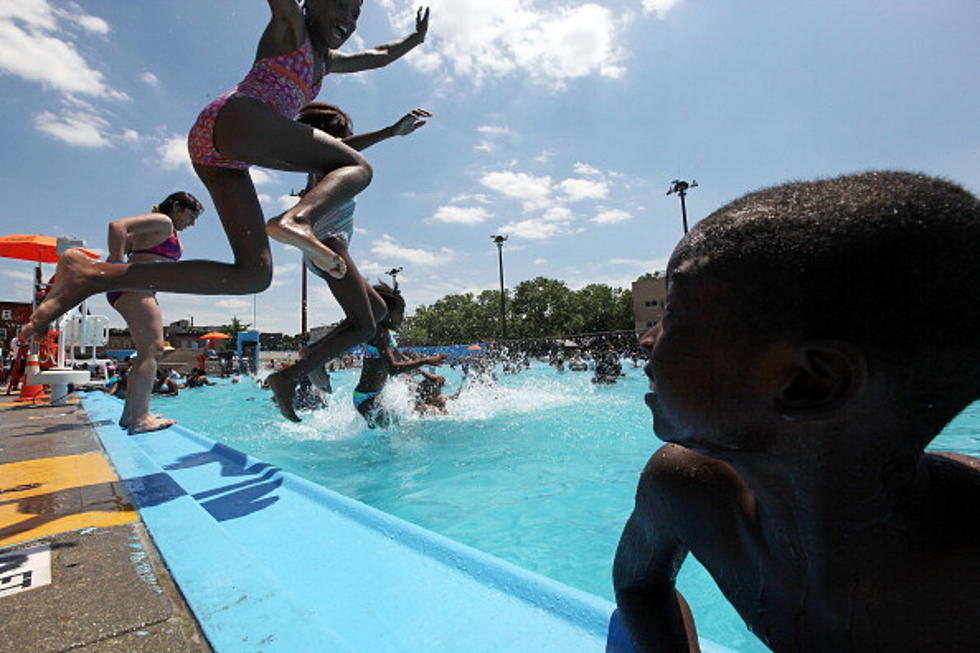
<point>680,187</point>
<point>393,273</point>
<point>499,241</point>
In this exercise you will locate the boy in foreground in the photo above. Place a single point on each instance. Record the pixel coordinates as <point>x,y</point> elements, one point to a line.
<point>817,337</point>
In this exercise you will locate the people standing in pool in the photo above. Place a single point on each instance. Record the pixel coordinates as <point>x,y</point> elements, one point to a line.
<point>150,238</point>
<point>252,124</point>
<point>382,360</point>
<point>363,307</point>
<point>816,337</point>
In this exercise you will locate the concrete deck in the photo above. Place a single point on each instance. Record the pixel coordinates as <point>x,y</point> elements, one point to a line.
<point>65,516</point>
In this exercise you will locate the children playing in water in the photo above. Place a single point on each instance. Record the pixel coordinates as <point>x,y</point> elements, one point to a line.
<point>147,238</point>
<point>363,307</point>
<point>383,359</point>
<point>816,337</point>
<point>253,125</point>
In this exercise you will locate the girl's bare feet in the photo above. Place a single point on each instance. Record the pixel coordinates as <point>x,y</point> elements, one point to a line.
<point>74,280</point>
<point>149,423</point>
<point>283,390</point>
<point>299,235</point>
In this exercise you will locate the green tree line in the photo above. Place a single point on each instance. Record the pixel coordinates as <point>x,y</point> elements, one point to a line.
<point>537,308</point>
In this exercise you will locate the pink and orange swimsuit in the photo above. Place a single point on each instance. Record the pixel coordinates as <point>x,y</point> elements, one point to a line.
<point>284,83</point>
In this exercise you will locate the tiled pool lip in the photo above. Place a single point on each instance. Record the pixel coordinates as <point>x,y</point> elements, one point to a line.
<point>270,561</point>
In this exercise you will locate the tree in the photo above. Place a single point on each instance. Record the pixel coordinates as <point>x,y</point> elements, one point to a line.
<point>541,308</point>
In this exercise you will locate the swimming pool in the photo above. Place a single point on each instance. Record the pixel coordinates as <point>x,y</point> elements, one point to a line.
<point>539,469</point>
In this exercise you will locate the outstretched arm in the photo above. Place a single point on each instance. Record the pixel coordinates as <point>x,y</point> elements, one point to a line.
<point>384,54</point>
<point>395,366</point>
<point>151,227</point>
<point>405,126</point>
<point>644,571</point>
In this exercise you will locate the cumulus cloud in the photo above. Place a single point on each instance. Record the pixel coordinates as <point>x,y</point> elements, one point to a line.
<point>150,78</point>
<point>173,153</point>
<point>577,190</point>
<point>261,177</point>
<point>586,169</point>
<point>534,192</point>
<point>611,216</point>
<point>659,7</point>
<point>461,214</point>
<point>534,229</point>
<point>35,48</point>
<point>387,248</point>
<point>74,128</point>
<point>478,40</point>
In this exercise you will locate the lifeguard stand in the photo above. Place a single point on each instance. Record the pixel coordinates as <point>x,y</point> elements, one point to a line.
<point>247,348</point>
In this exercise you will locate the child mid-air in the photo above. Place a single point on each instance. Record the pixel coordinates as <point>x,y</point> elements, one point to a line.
<point>363,306</point>
<point>817,336</point>
<point>252,124</point>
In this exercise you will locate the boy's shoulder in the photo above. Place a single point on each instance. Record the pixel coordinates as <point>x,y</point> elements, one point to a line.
<point>690,489</point>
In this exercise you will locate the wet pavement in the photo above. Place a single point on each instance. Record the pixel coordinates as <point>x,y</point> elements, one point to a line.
<point>78,570</point>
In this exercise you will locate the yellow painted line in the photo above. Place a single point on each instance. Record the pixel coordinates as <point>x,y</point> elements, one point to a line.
<point>31,402</point>
<point>53,495</point>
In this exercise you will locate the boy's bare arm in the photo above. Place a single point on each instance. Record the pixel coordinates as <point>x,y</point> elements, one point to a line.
<point>405,126</point>
<point>644,572</point>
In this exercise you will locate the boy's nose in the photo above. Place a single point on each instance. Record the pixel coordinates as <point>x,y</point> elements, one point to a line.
<point>649,337</point>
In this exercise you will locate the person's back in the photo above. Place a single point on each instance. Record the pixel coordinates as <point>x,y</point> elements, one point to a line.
<point>816,338</point>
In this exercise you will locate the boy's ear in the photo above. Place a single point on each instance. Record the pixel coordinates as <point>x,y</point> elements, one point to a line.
<point>824,376</point>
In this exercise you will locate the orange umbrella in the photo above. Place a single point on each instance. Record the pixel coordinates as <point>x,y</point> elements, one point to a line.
<point>474,347</point>
<point>42,249</point>
<point>214,335</point>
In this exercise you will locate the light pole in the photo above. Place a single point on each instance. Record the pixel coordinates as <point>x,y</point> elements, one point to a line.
<point>393,273</point>
<point>680,187</point>
<point>499,241</point>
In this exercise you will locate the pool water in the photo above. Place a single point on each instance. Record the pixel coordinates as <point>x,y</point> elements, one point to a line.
<point>539,468</point>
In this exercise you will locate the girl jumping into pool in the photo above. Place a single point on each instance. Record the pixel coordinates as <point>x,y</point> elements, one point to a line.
<point>150,238</point>
<point>252,124</point>
<point>364,307</point>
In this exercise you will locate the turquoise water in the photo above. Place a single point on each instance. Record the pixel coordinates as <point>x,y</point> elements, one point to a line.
<point>539,469</point>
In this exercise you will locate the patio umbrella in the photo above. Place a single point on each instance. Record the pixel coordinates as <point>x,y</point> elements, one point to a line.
<point>35,247</point>
<point>214,335</point>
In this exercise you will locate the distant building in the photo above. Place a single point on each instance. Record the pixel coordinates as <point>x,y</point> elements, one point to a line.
<point>13,315</point>
<point>649,296</point>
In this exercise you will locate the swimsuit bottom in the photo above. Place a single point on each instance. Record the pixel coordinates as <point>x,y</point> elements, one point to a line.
<point>114,295</point>
<point>339,223</point>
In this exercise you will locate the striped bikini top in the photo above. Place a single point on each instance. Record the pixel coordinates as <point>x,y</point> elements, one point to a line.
<point>170,248</point>
<point>284,82</point>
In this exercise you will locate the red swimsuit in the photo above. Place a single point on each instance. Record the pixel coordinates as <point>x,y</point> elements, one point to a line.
<point>284,83</point>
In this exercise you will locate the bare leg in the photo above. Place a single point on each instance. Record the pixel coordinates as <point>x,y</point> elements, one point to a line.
<point>145,324</point>
<point>287,145</point>
<point>363,309</point>
<point>238,207</point>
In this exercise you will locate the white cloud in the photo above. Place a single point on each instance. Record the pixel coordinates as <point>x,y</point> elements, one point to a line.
<point>533,191</point>
<point>586,169</point>
<point>150,78</point>
<point>173,153</point>
<point>471,197</point>
<point>234,304</point>
<point>461,214</point>
<point>74,128</point>
<point>479,39</point>
<point>533,229</point>
<point>582,189</point>
<point>264,199</point>
<point>612,216</point>
<point>131,136</point>
<point>541,261</point>
<point>389,249</point>
<point>493,131</point>
<point>260,177</point>
<point>659,7</point>
<point>557,214</point>
<point>32,48</point>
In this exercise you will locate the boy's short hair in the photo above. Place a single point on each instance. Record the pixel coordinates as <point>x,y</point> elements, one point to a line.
<point>328,118</point>
<point>889,261</point>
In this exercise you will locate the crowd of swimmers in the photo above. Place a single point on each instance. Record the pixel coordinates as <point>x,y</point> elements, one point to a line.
<point>817,337</point>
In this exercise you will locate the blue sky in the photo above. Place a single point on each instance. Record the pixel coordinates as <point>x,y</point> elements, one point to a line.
<point>560,124</point>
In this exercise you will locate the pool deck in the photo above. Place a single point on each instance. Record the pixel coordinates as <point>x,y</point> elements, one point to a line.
<point>264,560</point>
<point>78,570</point>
